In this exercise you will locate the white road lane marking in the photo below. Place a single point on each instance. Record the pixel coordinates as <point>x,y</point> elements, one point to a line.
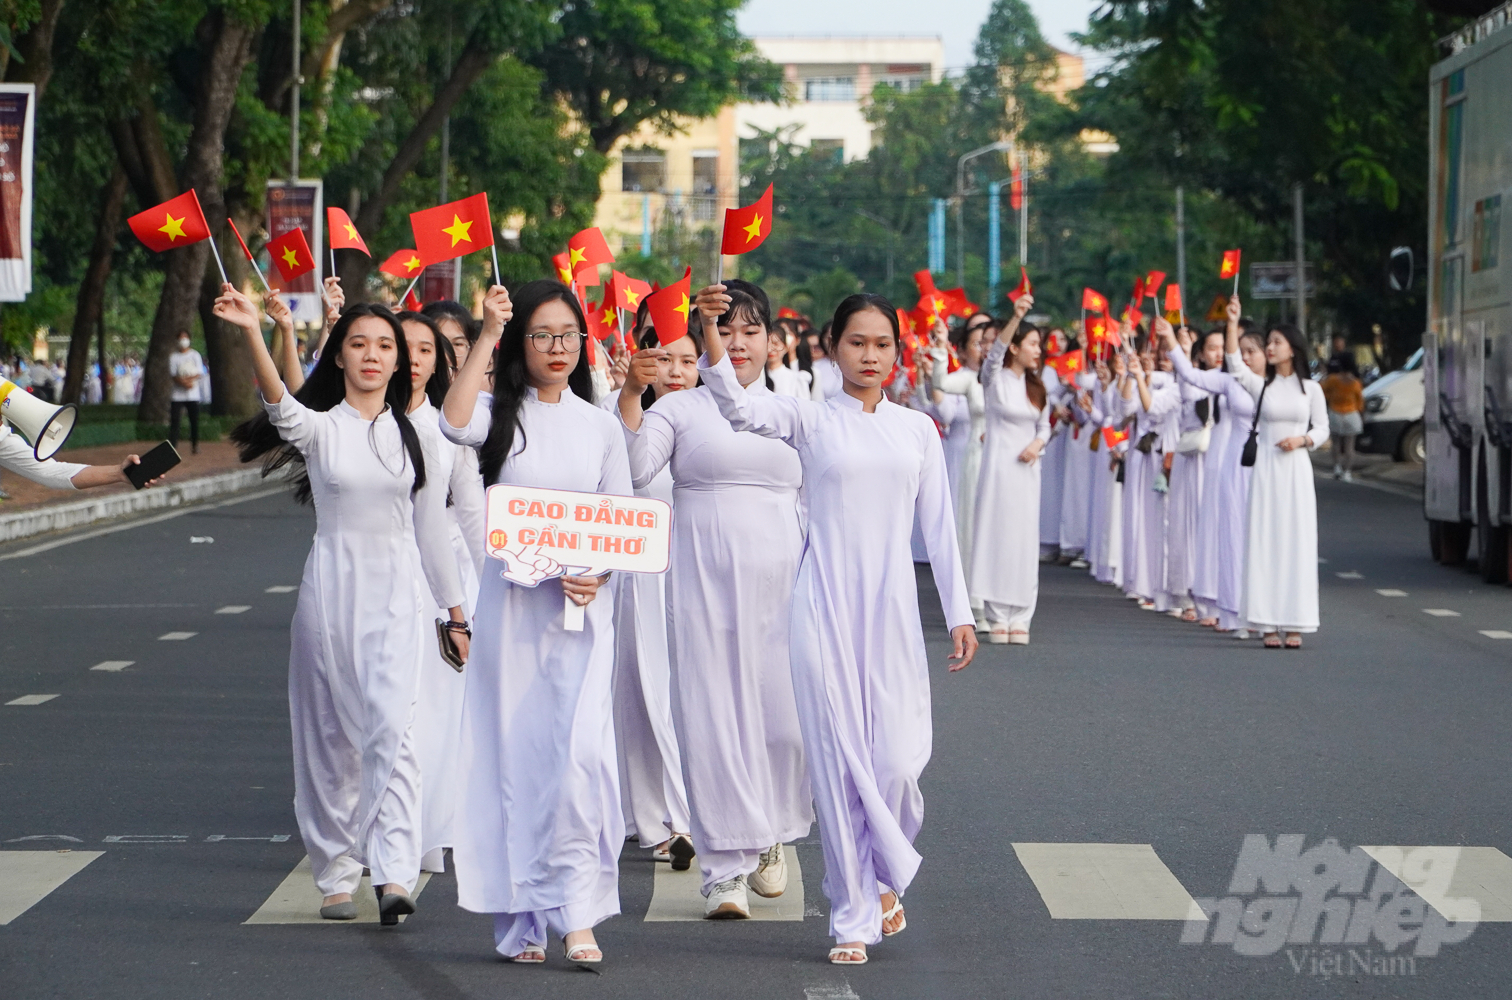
<point>176,636</point>
<point>1441,612</point>
<point>1496,633</point>
<point>233,609</point>
<point>112,666</point>
<point>85,536</point>
<point>29,876</point>
<point>1105,882</point>
<point>32,699</point>
<point>147,838</point>
<point>1392,593</point>
<point>828,992</point>
<point>676,896</point>
<point>1483,874</point>
<point>297,900</point>
<point>280,590</point>
<point>1351,575</point>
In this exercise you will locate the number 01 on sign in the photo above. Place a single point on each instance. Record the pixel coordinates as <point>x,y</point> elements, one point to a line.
<point>541,534</point>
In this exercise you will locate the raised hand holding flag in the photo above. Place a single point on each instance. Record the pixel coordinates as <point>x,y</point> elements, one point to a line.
<point>1230,267</point>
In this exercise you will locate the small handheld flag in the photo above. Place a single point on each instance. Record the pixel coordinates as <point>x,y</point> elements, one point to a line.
<point>1230,267</point>
<point>453,230</point>
<point>925,281</point>
<point>1094,301</point>
<point>177,222</point>
<point>957,304</point>
<point>1024,287</point>
<point>628,292</point>
<point>342,234</point>
<point>291,255</point>
<point>746,227</point>
<point>1067,364</point>
<point>1114,438</point>
<point>586,251</point>
<point>250,259</point>
<point>403,264</point>
<point>670,308</point>
<point>1173,302</point>
<point>564,273</point>
<point>1152,282</point>
<point>1139,291</point>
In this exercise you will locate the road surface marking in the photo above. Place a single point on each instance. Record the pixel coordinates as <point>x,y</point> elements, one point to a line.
<point>676,896</point>
<point>1496,633</point>
<point>1351,575</point>
<point>297,900</point>
<point>29,876</point>
<point>233,609</point>
<point>1105,882</point>
<point>31,699</point>
<point>1392,593</point>
<point>277,838</point>
<point>113,666</point>
<point>1480,873</point>
<point>280,590</point>
<point>176,636</point>
<point>1441,612</point>
<point>147,838</point>
<point>827,992</point>
<point>194,508</point>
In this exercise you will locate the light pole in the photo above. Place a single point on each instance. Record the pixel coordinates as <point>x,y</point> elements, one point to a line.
<point>1001,145</point>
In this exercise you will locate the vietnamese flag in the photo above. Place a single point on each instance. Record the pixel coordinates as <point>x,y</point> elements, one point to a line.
<point>402,264</point>
<point>1230,266</point>
<point>291,254</point>
<point>1094,301</point>
<point>1114,438</point>
<point>1139,291</point>
<point>177,222</point>
<point>1067,364</point>
<point>342,234</point>
<point>564,273</point>
<point>586,251</point>
<point>788,312</point>
<point>925,281</point>
<point>1024,287</point>
<point>1173,298</point>
<point>412,301</point>
<point>452,230</point>
<point>670,308</point>
<point>603,319</point>
<point>628,291</point>
<point>746,227</point>
<point>1152,282</point>
<point>958,303</point>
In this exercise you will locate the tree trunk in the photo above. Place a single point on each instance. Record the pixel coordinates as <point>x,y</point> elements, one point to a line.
<point>225,47</point>
<point>36,49</point>
<point>233,389</point>
<point>91,300</point>
<point>473,63</point>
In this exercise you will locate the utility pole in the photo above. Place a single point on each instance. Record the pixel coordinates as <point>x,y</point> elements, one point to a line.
<point>1181,239</point>
<point>1024,209</point>
<point>994,241</point>
<point>294,101</point>
<point>960,200</point>
<point>1301,258</point>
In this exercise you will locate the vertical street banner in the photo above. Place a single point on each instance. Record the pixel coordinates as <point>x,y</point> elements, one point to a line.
<point>17,112</point>
<point>299,206</point>
<point>442,281</point>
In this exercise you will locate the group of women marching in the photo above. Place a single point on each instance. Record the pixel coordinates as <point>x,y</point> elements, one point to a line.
<point>776,672</point>
<point>1174,468</point>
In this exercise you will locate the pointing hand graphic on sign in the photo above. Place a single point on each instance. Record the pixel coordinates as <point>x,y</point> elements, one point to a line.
<point>527,566</point>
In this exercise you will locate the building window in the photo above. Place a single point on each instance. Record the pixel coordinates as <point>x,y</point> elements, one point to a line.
<point>903,84</point>
<point>829,88</point>
<point>705,172</point>
<point>829,149</point>
<point>643,170</point>
<point>1485,249</point>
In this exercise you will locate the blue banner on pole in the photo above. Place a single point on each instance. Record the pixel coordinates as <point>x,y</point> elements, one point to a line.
<point>994,248</point>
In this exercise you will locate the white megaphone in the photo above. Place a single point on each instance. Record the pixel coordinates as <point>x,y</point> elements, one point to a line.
<point>46,426</point>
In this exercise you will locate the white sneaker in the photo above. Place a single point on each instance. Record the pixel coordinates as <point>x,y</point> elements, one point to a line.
<point>1078,563</point>
<point>728,900</point>
<point>1349,477</point>
<point>1018,638</point>
<point>770,877</point>
<point>1338,472</point>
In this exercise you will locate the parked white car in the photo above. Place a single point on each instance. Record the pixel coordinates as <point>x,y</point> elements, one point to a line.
<point>1394,413</point>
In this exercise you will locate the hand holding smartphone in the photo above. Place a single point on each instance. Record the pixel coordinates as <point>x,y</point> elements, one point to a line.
<point>153,464</point>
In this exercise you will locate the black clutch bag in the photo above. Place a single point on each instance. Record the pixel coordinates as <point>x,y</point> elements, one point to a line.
<point>449,651</point>
<point>1252,445</point>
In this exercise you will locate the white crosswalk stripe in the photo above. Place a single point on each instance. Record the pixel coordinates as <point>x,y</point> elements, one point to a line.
<point>32,699</point>
<point>112,666</point>
<point>1483,874</point>
<point>29,876</point>
<point>1105,882</point>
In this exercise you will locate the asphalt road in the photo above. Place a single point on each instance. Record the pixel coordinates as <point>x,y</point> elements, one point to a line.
<point>1117,726</point>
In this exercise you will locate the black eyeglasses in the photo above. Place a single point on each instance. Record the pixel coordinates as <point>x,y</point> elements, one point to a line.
<point>546,342</point>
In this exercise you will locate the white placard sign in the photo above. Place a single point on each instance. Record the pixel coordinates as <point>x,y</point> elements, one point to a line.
<point>540,534</point>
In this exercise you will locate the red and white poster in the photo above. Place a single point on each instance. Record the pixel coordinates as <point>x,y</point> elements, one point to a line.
<point>442,281</point>
<point>300,206</point>
<point>17,113</point>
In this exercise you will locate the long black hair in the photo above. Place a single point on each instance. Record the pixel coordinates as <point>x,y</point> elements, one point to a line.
<point>510,382</point>
<point>1299,353</point>
<point>1034,386</point>
<point>322,391</point>
<point>459,314</point>
<point>446,357</point>
<point>853,305</point>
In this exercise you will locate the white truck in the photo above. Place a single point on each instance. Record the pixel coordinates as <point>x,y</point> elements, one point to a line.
<point>1467,350</point>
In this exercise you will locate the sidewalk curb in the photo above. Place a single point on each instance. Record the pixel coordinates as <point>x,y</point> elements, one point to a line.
<point>59,517</point>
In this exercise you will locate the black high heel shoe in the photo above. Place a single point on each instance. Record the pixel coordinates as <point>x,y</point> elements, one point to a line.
<point>392,906</point>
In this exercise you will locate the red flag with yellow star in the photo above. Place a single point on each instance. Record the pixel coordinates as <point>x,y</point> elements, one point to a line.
<point>746,227</point>
<point>177,222</point>
<point>670,308</point>
<point>1094,301</point>
<point>586,251</point>
<point>628,292</point>
<point>1067,364</point>
<point>958,304</point>
<point>342,234</point>
<point>291,254</point>
<point>1230,266</point>
<point>452,230</point>
<point>1113,437</point>
<point>603,319</point>
<point>1024,287</point>
<point>402,264</point>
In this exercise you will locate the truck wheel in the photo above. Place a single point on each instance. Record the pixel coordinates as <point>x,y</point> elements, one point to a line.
<point>1436,540</point>
<point>1454,542</point>
<point>1413,447</point>
<point>1491,550</point>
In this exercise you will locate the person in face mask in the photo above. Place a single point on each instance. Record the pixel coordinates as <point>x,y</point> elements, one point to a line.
<point>186,368</point>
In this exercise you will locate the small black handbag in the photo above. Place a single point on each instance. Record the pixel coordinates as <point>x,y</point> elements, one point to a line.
<point>1252,446</point>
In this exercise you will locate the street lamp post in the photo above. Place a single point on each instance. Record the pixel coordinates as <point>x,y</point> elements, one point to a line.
<point>1001,145</point>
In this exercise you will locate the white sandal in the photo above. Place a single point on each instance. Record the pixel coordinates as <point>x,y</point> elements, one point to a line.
<point>532,954</point>
<point>574,953</point>
<point>1018,637</point>
<point>998,636</point>
<point>896,910</point>
<point>836,953</point>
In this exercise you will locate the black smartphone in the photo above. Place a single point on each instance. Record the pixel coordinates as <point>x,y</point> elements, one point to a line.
<point>153,464</point>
